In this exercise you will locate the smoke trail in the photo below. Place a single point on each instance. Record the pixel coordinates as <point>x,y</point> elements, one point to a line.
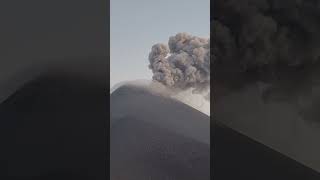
<point>182,64</point>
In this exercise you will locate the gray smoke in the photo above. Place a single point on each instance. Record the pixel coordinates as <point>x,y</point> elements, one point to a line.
<point>182,64</point>
<point>274,41</point>
<point>265,35</point>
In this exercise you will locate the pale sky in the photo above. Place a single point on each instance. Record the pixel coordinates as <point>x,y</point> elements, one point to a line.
<point>136,25</point>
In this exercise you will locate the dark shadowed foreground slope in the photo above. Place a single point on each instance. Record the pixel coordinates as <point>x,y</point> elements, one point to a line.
<point>155,137</point>
<point>239,157</point>
<point>54,128</point>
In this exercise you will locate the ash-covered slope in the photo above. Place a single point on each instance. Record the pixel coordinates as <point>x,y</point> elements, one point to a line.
<point>155,137</point>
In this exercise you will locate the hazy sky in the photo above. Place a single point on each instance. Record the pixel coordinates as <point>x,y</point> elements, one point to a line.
<point>136,25</point>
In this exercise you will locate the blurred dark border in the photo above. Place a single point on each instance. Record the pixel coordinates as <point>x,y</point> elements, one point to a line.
<point>54,87</point>
<point>235,156</point>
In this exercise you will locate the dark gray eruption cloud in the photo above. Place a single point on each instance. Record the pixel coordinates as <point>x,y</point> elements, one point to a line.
<point>273,41</point>
<point>182,64</point>
<point>263,35</point>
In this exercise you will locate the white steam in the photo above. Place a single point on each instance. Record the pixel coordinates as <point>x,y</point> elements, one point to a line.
<point>196,101</point>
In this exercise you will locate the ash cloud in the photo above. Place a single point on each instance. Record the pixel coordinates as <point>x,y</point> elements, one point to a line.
<point>275,41</point>
<point>182,64</point>
<point>263,35</point>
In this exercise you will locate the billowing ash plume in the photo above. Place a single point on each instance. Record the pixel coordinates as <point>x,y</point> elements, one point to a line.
<point>264,35</point>
<point>277,41</point>
<point>182,64</point>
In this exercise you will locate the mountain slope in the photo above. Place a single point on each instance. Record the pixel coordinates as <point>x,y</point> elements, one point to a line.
<point>156,137</point>
<point>54,127</point>
<point>238,157</point>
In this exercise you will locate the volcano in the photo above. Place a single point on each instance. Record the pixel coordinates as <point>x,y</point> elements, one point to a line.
<point>155,137</point>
